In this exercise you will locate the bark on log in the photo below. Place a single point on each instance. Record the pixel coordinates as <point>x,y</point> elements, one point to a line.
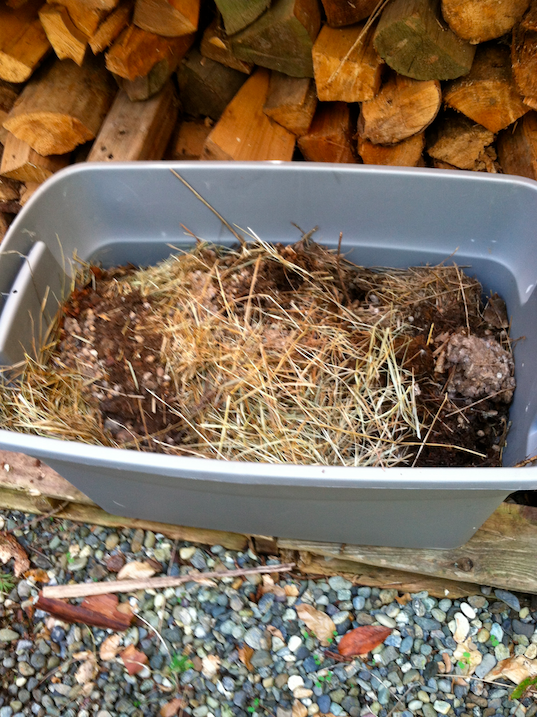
<point>137,130</point>
<point>68,42</point>
<point>291,102</point>
<point>414,41</point>
<point>88,15</point>
<point>517,147</point>
<point>244,132</point>
<point>347,12</point>
<point>207,87</point>
<point>110,28</point>
<point>481,20</point>
<point>216,46</point>
<point>282,38</point>
<point>402,108</point>
<point>407,153</point>
<point>62,107</point>
<point>170,18</point>
<point>355,79</point>
<point>21,162</point>
<point>23,43</point>
<point>189,140</point>
<point>329,138</point>
<point>524,57</point>
<point>458,141</point>
<point>238,14</point>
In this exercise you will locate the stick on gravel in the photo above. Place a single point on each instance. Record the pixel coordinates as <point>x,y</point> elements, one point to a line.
<point>129,586</point>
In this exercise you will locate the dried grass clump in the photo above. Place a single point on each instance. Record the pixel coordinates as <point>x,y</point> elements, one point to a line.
<point>276,354</point>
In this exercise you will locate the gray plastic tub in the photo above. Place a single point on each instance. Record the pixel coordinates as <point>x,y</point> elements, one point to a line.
<point>119,213</point>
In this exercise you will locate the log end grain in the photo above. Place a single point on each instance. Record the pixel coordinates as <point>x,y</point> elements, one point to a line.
<point>407,153</point>
<point>481,20</point>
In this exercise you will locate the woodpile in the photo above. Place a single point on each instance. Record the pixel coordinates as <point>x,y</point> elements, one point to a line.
<point>450,84</point>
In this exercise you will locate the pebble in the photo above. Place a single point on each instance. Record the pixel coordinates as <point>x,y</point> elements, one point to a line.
<point>112,541</point>
<point>497,632</point>
<point>7,635</point>
<point>468,610</point>
<point>385,620</point>
<point>463,627</point>
<point>442,707</point>
<point>324,704</point>
<point>487,663</point>
<point>501,652</point>
<point>508,598</point>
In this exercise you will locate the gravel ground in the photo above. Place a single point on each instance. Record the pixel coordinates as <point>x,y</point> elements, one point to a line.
<point>207,628</point>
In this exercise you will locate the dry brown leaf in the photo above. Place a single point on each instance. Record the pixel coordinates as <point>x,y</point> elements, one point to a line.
<point>516,669</point>
<point>38,575</point>
<point>133,659</point>
<point>136,571</point>
<point>10,548</point>
<point>210,666</point>
<point>318,622</point>
<point>269,586</point>
<point>299,710</point>
<point>275,632</point>
<point>88,669</point>
<point>461,653</point>
<point>109,647</point>
<point>362,640</point>
<point>245,653</point>
<point>291,590</point>
<point>171,708</point>
<point>403,599</point>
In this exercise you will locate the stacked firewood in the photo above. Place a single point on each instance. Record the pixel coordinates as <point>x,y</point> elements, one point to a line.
<point>441,83</point>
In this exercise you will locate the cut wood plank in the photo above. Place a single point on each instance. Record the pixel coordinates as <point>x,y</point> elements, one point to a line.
<point>170,18</point>
<point>488,94</point>
<point>482,20</point>
<point>189,140</point>
<point>111,27</point>
<point>347,12</point>
<point>87,15</point>
<point>282,38</point>
<point>517,147</point>
<point>21,162</point>
<point>402,108</point>
<point>329,138</point>
<point>244,132</point>
<point>459,141</point>
<point>137,130</point>
<point>412,38</point>
<point>291,102</point>
<point>355,78</point>
<point>385,578</point>
<point>407,153</point>
<point>68,42</point>
<point>23,42</point>
<point>524,57</point>
<point>135,52</point>
<point>216,46</point>
<point>206,87</point>
<point>237,14</point>
<point>63,107</point>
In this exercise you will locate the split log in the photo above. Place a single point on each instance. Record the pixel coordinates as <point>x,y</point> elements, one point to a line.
<point>9,194</point>
<point>63,107</point>
<point>291,102</point>
<point>244,132</point>
<point>347,12</point>
<point>407,153</point>
<point>189,140</point>
<point>87,15</point>
<point>524,57</point>
<point>488,94</point>
<point>68,42</point>
<point>8,95</point>
<point>458,141</point>
<point>237,14</point>
<point>207,87</point>
<point>4,225</point>
<point>21,162</point>
<point>481,20</point>
<point>28,190</point>
<point>517,147</point>
<point>412,38</point>
<point>216,46</point>
<point>23,43</point>
<point>355,78</point>
<point>329,138</point>
<point>402,108</point>
<point>136,52</point>
<point>110,28</point>
<point>170,18</point>
<point>282,38</point>
<point>137,130</point>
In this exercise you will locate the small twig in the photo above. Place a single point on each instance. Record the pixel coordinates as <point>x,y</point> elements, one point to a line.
<point>526,462</point>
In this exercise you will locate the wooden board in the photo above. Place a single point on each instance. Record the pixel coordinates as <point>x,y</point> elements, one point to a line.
<point>23,42</point>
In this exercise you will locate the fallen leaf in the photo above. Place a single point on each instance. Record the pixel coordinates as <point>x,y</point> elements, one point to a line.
<point>135,571</point>
<point>299,710</point>
<point>171,708</point>
<point>516,669</point>
<point>109,647</point>
<point>275,632</point>
<point>133,660</point>
<point>291,590</point>
<point>115,562</point>
<point>10,548</point>
<point>88,669</point>
<point>362,640</point>
<point>210,666</point>
<point>318,622</point>
<point>468,655</point>
<point>269,586</point>
<point>38,575</point>
<point>403,599</point>
<point>245,653</point>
